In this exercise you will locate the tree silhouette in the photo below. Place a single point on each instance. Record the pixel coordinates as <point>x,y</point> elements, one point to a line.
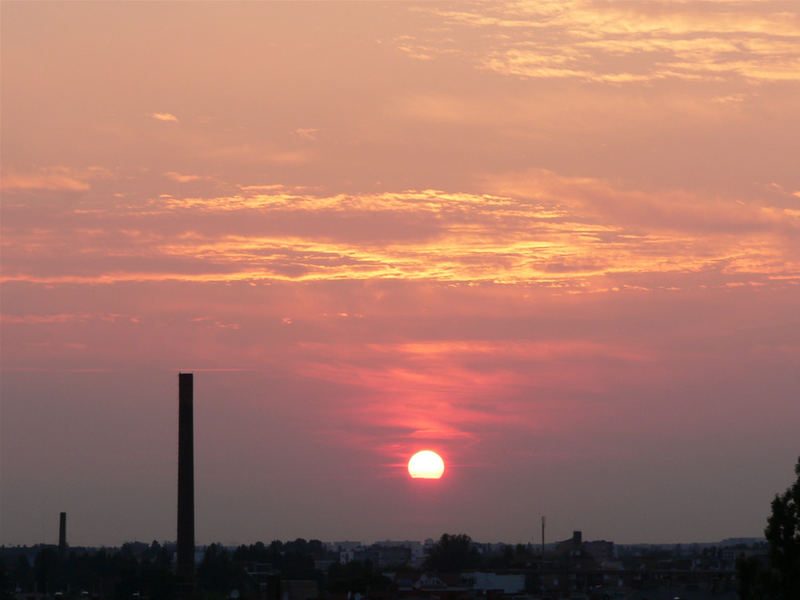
<point>217,572</point>
<point>356,576</point>
<point>780,580</point>
<point>783,535</point>
<point>46,568</point>
<point>452,553</point>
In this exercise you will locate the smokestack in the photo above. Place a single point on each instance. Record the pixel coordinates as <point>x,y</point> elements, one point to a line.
<point>542,539</point>
<point>62,534</point>
<point>541,575</point>
<point>185,486</point>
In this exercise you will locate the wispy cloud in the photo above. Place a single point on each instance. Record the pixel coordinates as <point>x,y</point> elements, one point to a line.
<point>55,178</point>
<point>623,42</point>
<point>44,181</point>
<point>183,178</point>
<point>61,318</point>
<point>168,117</point>
<point>445,391</point>
<point>533,228</point>
<point>307,133</point>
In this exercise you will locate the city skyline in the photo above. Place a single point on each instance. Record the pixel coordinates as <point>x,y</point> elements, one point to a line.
<point>558,243</point>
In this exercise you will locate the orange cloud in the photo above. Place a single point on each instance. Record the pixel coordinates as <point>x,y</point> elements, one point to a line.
<point>167,117</point>
<point>183,178</point>
<point>307,133</point>
<point>54,179</point>
<point>533,227</point>
<point>621,42</point>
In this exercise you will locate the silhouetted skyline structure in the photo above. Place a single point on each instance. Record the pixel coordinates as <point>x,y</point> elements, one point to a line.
<point>185,548</point>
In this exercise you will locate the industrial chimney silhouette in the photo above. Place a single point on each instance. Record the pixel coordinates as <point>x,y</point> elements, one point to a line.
<point>185,571</point>
<point>62,534</point>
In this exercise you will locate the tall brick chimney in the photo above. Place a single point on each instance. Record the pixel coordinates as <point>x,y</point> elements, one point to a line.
<point>185,486</point>
<point>62,534</point>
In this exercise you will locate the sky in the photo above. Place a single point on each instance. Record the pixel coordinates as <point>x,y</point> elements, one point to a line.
<point>557,242</point>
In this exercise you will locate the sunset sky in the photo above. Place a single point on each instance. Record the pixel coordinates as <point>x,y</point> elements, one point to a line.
<point>556,241</point>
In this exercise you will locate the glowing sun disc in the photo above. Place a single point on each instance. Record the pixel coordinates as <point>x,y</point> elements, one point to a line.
<point>426,464</point>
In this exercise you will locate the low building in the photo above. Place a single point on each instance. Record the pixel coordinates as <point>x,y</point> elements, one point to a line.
<point>510,583</point>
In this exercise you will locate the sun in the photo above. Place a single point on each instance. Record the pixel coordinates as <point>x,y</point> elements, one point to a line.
<point>426,464</point>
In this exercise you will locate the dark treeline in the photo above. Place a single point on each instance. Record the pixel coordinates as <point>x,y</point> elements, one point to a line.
<point>148,570</point>
<point>112,573</point>
<point>458,553</point>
